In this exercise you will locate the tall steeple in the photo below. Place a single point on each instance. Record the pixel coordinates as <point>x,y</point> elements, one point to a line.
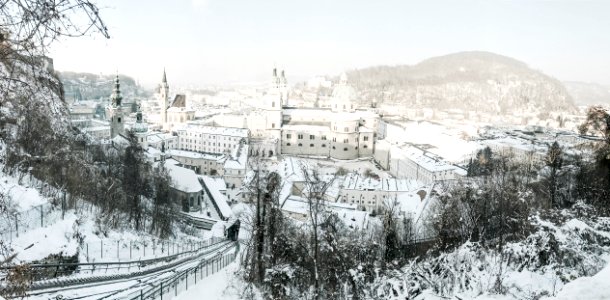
<point>116,93</point>
<point>164,98</point>
<point>115,111</point>
<point>140,129</point>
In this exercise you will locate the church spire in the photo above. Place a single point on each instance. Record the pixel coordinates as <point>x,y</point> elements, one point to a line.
<point>164,80</point>
<point>116,92</point>
<point>139,115</point>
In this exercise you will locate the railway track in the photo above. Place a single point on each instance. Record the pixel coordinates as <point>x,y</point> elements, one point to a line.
<point>132,285</point>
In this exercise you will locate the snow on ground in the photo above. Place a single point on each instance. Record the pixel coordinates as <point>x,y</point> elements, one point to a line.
<point>21,195</point>
<point>218,286</point>
<point>565,257</point>
<point>39,243</point>
<point>596,287</point>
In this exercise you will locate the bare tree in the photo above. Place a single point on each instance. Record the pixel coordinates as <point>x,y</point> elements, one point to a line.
<point>315,191</point>
<point>554,161</point>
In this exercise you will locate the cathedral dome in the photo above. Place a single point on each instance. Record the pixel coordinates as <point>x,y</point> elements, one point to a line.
<point>140,127</point>
<point>342,96</point>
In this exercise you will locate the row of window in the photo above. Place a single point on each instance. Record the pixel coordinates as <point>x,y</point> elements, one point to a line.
<point>211,136</point>
<point>324,146</point>
<point>345,129</point>
<point>313,137</point>
<point>189,143</point>
<point>300,137</point>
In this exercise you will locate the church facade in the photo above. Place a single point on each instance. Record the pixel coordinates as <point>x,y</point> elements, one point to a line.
<point>339,132</point>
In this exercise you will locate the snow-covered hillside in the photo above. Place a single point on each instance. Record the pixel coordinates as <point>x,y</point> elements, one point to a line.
<point>564,257</point>
<point>478,81</point>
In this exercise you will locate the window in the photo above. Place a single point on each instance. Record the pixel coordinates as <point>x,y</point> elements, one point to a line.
<point>324,138</point>
<point>346,141</point>
<point>346,129</point>
<point>273,104</point>
<point>119,119</point>
<point>366,138</point>
<point>272,125</point>
<point>300,145</point>
<point>312,137</point>
<point>323,145</point>
<point>289,136</point>
<point>287,144</point>
<point>334,139</point>
<point>334,147</point>
<point>300,136</point>
<point>365,146</point>
<point>310,145</point>
<point>344,149</point>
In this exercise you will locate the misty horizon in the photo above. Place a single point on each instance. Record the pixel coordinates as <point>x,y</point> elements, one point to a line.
<point>213,42</point>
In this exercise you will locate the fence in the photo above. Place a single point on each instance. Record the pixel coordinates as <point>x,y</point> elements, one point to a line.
<point>122,250</point>
<point>20,222</point>
<point>46,276</point>
<point>170,287</point>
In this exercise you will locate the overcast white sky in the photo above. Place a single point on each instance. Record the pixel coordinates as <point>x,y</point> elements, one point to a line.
<point>220,41</point>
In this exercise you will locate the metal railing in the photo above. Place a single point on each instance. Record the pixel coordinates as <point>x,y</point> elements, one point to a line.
<point>41,274</point>
<point>186,279</point>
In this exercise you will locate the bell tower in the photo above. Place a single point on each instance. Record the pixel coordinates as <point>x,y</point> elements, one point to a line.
<point>164,98</point>
<point>115,111</point>
<point>274,101</point>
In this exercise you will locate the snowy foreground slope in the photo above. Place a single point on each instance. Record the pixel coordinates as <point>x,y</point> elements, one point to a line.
<point>566,258</point>
<point>78,233</point>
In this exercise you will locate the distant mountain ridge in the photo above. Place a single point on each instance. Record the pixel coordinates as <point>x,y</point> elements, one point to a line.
<point>479,81</point>
<point>587,93</point>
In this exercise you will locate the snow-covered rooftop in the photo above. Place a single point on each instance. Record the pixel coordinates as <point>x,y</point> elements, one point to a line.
<point>354,181</point>
<point>214,189</point>
<point>424,159</point>
<point>183,179</point>
<point>195,155</point>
